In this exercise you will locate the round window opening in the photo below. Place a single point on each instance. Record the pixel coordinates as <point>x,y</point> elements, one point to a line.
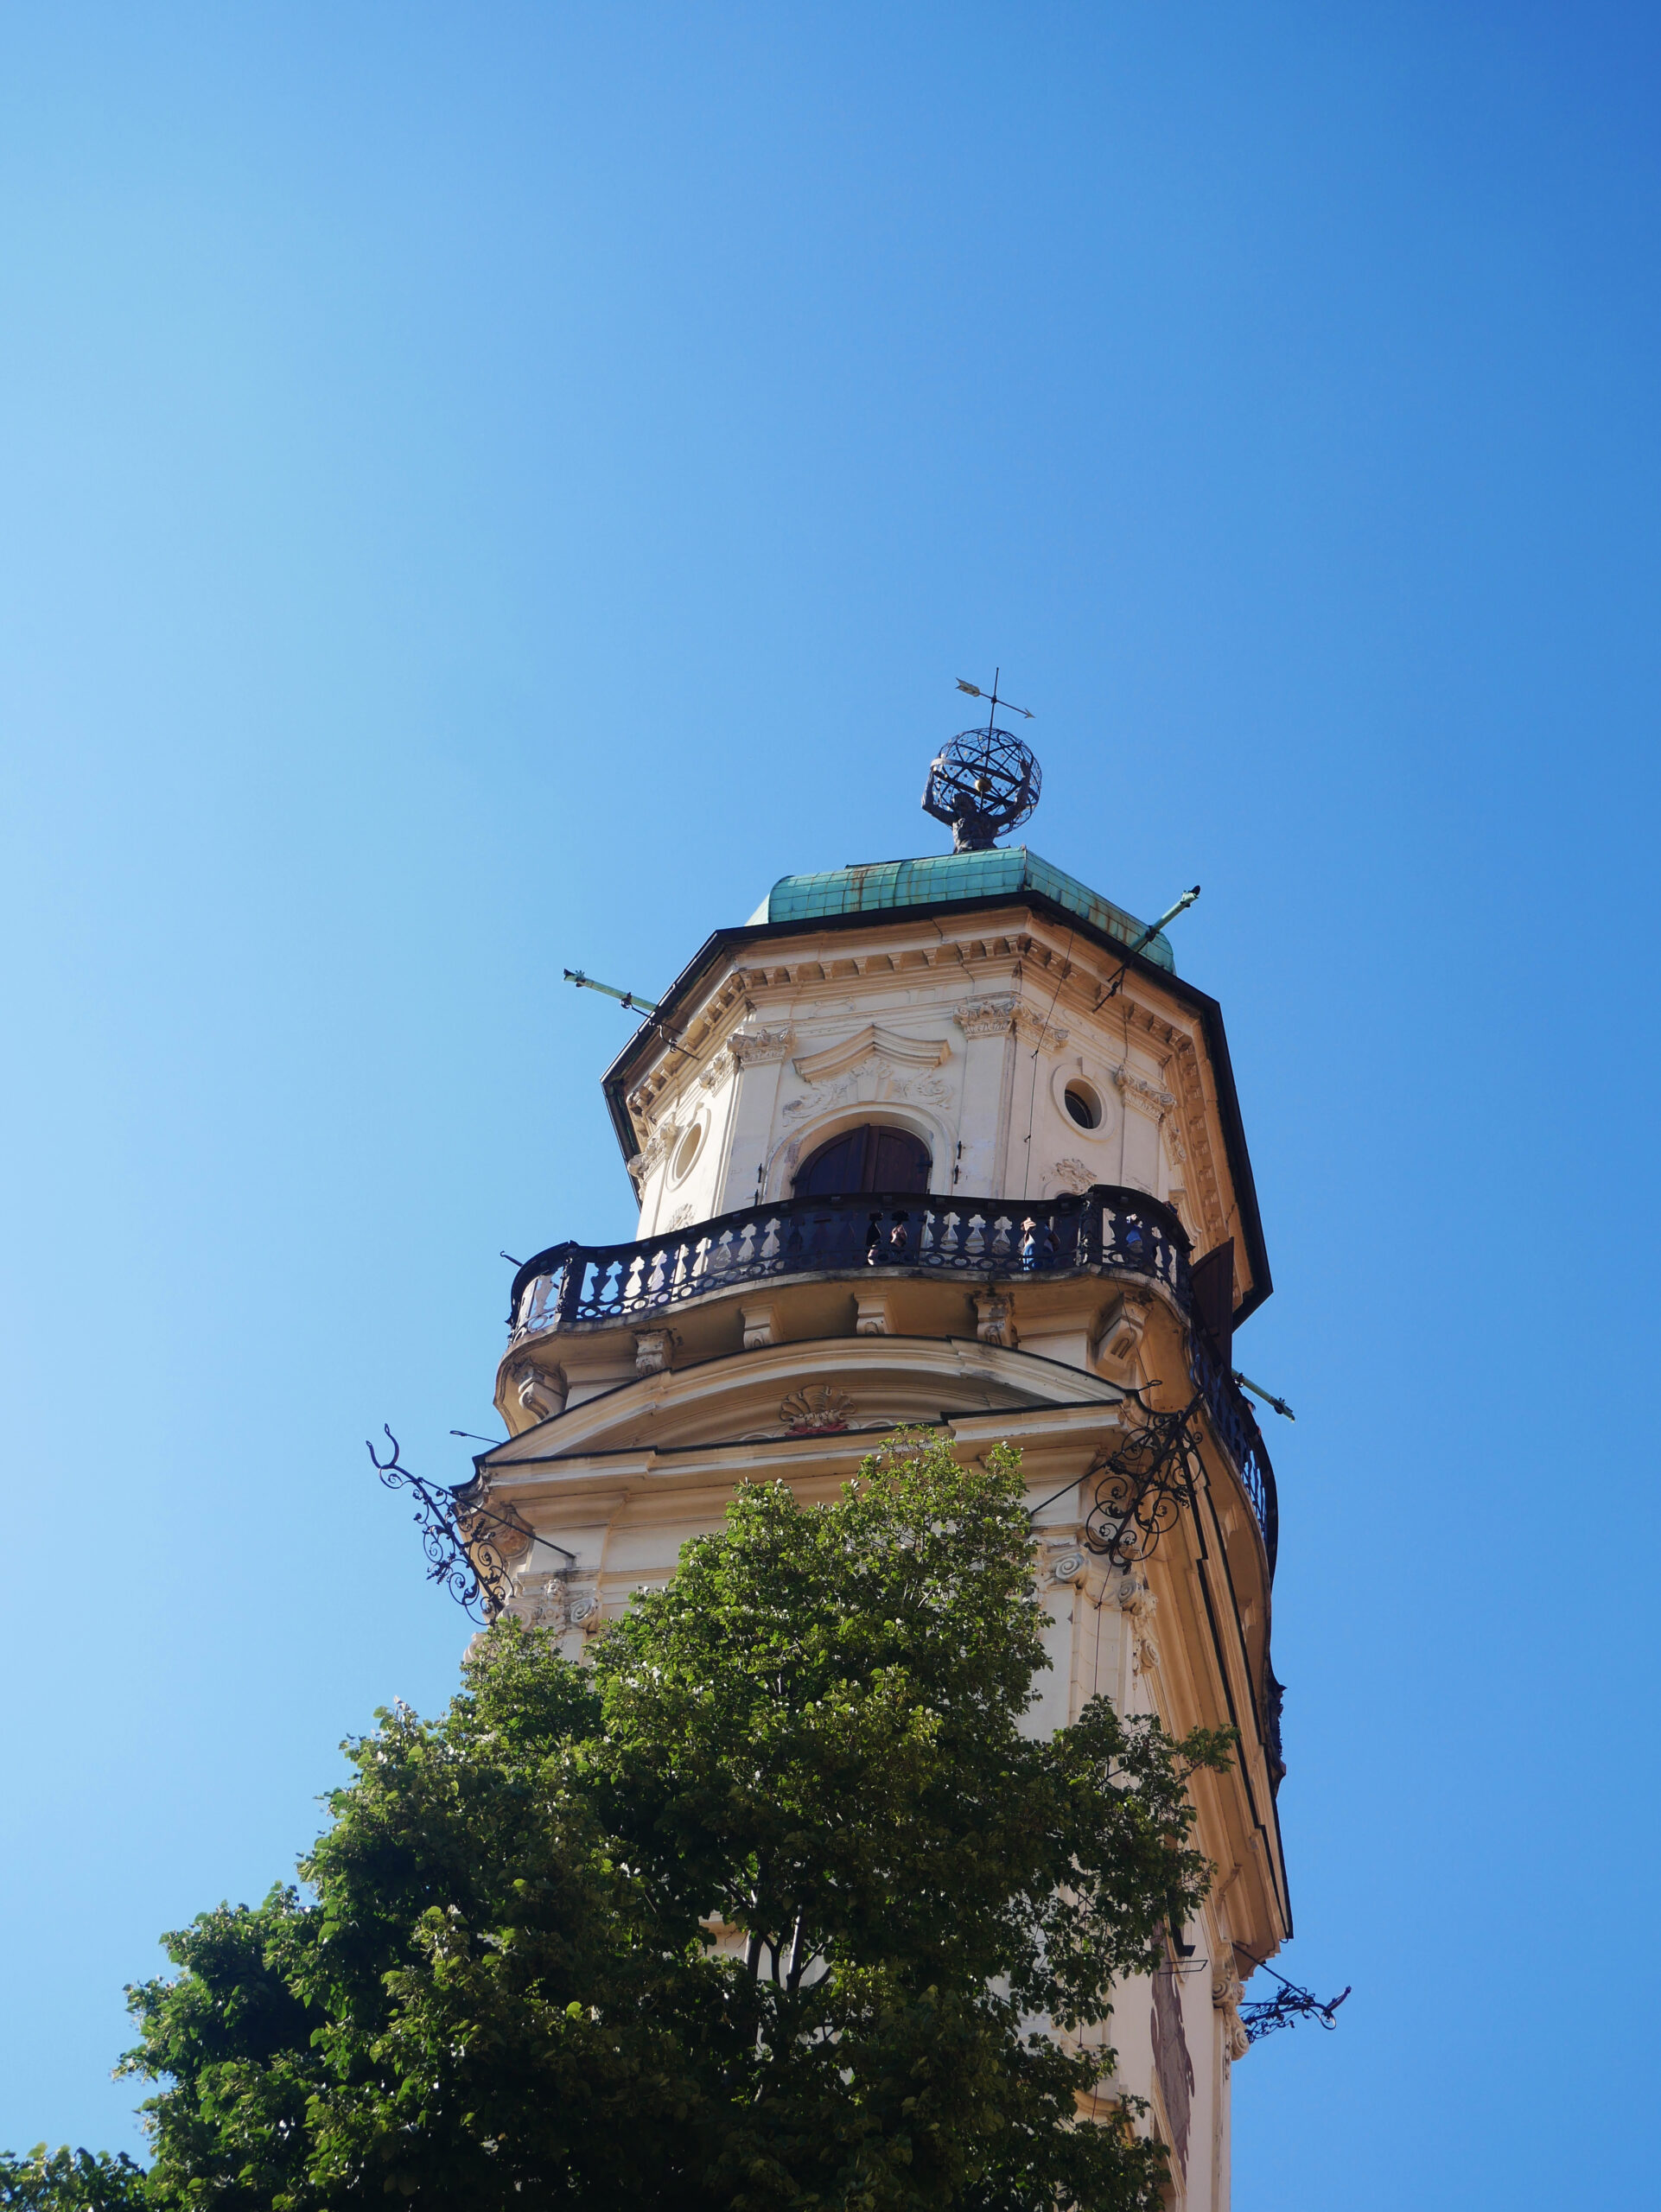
<point>687,1151</point>
<point>1084,1105</point>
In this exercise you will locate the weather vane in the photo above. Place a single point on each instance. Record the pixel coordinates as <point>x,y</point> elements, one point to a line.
<point>986,781</point>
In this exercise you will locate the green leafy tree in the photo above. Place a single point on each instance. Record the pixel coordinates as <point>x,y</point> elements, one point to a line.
<point>70,2181</point>
<point>773,1905</point>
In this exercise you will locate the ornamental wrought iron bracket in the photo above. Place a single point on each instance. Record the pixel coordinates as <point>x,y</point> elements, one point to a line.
<point>469,1541</point>
<point>1141,1487</point>
<point>1290,2004</point>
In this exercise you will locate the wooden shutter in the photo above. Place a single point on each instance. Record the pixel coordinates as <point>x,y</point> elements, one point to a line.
<point>834,1168</point>
<point>1213,1298</point>
<point>900,1162</point>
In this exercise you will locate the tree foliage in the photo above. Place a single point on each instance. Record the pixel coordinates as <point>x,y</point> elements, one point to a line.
<point>70,2181</point>
<point>773,1905</point>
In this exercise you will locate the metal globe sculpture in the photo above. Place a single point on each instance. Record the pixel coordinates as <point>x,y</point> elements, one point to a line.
<point>985,783</point>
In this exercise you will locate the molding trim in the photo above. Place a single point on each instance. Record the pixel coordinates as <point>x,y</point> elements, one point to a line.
<point>871,1042</point>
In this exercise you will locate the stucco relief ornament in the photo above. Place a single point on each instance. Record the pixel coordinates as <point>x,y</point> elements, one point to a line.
<point>995,1322</point>
<point>1033,1029</point>
<point>1139,1092</point>
<point>824,1097</point>
<point>506,1531</point>
<point>1066,1561</point>
<point>753,1047</point>
<point>582,1606</point>
<point>653,1350</point>
<point>824,1411</point>
<point>1139,1606</point>
<point>985,1017</point>
<point>1072,1175</point>
<point>1227,1992</point>
<point>871,1067</point>
<point>657,1142</point>
<point>541,1393</point>
<point>545,1607</point>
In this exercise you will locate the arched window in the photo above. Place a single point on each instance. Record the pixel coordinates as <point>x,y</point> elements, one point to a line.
<point>870,1158</point>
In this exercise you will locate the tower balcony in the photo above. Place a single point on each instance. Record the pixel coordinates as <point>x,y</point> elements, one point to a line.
<point>931,1265</point>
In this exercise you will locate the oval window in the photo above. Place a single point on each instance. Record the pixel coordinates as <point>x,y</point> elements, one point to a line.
<point>1084,1104</point>
<point>687,1151</point>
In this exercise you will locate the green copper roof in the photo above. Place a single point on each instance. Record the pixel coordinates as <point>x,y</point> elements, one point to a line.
<point>881,886</point>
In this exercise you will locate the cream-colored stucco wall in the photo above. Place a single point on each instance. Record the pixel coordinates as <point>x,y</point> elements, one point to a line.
<point>968,1039</point>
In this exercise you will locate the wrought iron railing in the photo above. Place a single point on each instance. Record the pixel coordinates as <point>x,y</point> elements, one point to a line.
<point>1124,1230</point>
<point>1237,1429</point>
<point>1115,1230</point>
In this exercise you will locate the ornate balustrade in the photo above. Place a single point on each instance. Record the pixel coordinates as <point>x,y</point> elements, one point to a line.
<point>1105,1228</point>
<point>1109,1229</point>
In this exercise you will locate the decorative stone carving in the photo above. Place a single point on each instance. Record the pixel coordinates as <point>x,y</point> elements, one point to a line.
<point>824,1411</point>
<point>1072,1175</point>
<point>757,1325</point>
<point>995,1319</point>
<point>1139,1606</point>
<point>539,1391</point>
<point>653,1350</point>
<point>503,1529</point>
<point>996,1017</point>
<point>873,1314</point>
<point>546,1606</point>
<point>1203,1182</point>
<point>718,1071</point>
<point>1033,1029</point>
<point>1121,1333</point>
<point>1227,1990</point>
<point>650,1155</point>
<point>869,1069</point>
<point>1066,1562</point>
<point>985,1017</point>
<point>913,1053</point>
<point>685,1213</point>
<point>755,1048</point>
<point>822,1100</point>
<point>1137,1091</point>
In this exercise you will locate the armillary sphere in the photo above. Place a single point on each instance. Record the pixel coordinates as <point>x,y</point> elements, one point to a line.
<point>983,783</point>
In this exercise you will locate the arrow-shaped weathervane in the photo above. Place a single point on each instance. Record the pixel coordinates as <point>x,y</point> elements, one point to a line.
<point>993,701</point>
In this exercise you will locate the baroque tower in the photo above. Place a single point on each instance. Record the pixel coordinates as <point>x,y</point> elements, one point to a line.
<point>945,1141</point>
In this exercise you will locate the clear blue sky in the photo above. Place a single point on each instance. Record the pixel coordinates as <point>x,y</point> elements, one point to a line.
<point>485,488</point>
